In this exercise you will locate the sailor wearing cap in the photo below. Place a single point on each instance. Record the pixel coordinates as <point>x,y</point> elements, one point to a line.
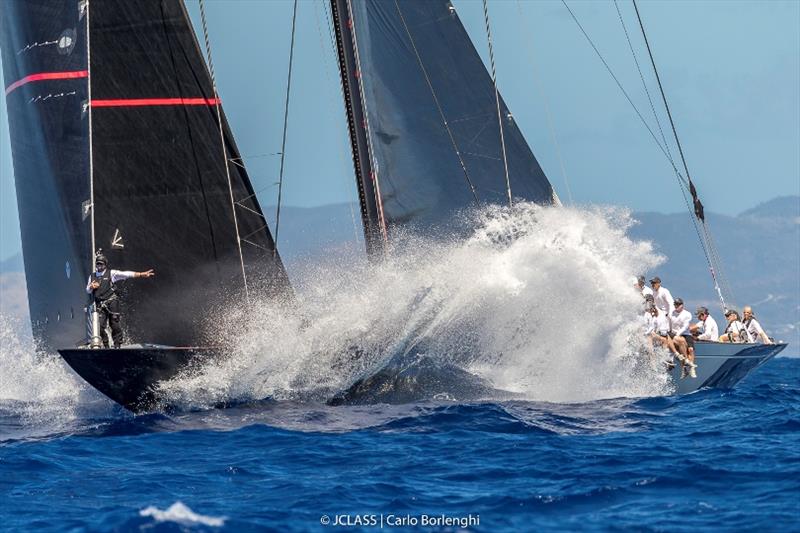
<point>706,329</point>
<point>680,320</point>
<point>661,296</point>
<point>735,331</point>
<point>101,287</point>
<point>642,288</point>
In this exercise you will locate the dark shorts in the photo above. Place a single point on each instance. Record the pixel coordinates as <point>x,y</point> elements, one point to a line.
<point>689,340</point>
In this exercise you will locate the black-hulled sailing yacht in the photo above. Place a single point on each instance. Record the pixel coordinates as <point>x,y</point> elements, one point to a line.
<point>117,145</point>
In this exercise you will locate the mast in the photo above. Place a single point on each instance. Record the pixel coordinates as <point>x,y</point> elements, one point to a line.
<point>357,126</point>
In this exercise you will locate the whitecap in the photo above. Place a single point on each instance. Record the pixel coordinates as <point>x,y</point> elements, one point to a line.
<point>180,513</point>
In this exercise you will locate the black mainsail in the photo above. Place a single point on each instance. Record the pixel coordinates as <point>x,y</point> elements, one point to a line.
<point>421,99</point>
<point>115,139</point>
<point>45,72</point>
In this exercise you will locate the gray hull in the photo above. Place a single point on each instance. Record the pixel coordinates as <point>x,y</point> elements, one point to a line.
<point>723,365</point>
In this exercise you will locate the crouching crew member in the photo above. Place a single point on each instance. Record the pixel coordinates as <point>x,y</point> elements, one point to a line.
<point>706,329</point>
<point>680,320</point>
<point>735,331</point>
<point>754,329</point>
<point>101,287</point>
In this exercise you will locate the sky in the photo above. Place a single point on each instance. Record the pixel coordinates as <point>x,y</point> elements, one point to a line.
<point>730,69</point>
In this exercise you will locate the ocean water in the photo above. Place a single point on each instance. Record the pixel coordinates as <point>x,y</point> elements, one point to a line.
<point>505,404</point>
<point>723,460</point>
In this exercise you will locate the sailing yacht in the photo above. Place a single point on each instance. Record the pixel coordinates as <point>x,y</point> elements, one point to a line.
<point>120,142</point>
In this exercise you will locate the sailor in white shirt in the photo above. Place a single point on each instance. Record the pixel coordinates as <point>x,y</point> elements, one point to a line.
<point>735,331</point>
<point>642,288</point>
<point>680,320</point>
<point>706,329</point>
<point>661,296</point>
<point>754,329</point>
<point>658,330</point>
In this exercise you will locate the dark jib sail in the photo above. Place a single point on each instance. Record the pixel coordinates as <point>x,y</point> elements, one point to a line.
<point>152,157</point>
<point>431,117</point>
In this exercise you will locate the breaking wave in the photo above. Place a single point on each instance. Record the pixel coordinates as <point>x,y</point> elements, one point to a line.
<point>181,514</point>
<point>536,304</point>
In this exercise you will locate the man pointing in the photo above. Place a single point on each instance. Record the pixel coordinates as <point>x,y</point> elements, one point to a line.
<point>102,287</point>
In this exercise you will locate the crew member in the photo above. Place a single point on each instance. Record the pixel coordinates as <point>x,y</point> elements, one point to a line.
<point>706,329</point>
<point>657,331</point>
<point>754,329</point>
<point>101,286</point>
<point>735,331</point>
<point>680,319</point>
<point>642,288</point>
<point>662,297</point>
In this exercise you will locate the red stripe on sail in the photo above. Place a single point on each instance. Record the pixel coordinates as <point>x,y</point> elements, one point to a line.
<point>140,102</point>
<point>47,76</point>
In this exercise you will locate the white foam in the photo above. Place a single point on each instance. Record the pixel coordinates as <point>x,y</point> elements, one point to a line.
<point>538,301</point>
<point>182,514</point>
<point>34,385</point>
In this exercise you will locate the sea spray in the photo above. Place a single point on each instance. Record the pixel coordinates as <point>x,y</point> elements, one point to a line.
<point>537,301</point>
<point>37,389</point>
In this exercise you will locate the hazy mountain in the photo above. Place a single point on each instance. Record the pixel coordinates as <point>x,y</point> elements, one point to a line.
<point>759,251</point>
<point>12,264</point>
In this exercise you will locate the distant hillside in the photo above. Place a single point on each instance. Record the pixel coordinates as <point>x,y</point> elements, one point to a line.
<point>760,252</point>
<point>781,207</point>
<point>12,264</point>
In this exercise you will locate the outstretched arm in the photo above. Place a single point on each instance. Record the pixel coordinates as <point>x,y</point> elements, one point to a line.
<point>119,275</point>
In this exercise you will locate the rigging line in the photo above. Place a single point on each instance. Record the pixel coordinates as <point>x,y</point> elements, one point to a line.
<point>718,258</point>
<point>621,88</point>
<point>682,182</point>
<point>641,77</point>
<point>89,111</point>
<point>671,121</point>
<point>661,88</point>
<point>333,106</point>
<point>540,89</point>
<point>255,156</point>
<point>497,100</point>
<point>438,105</point>
<point>222,142</point>
<point>285,128</point>
<point>255,193</point>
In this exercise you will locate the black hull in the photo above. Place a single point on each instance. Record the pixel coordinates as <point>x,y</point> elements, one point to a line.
<point>130,375</point>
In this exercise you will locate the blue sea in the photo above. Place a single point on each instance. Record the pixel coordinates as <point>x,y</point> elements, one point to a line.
<point>722,460</point>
